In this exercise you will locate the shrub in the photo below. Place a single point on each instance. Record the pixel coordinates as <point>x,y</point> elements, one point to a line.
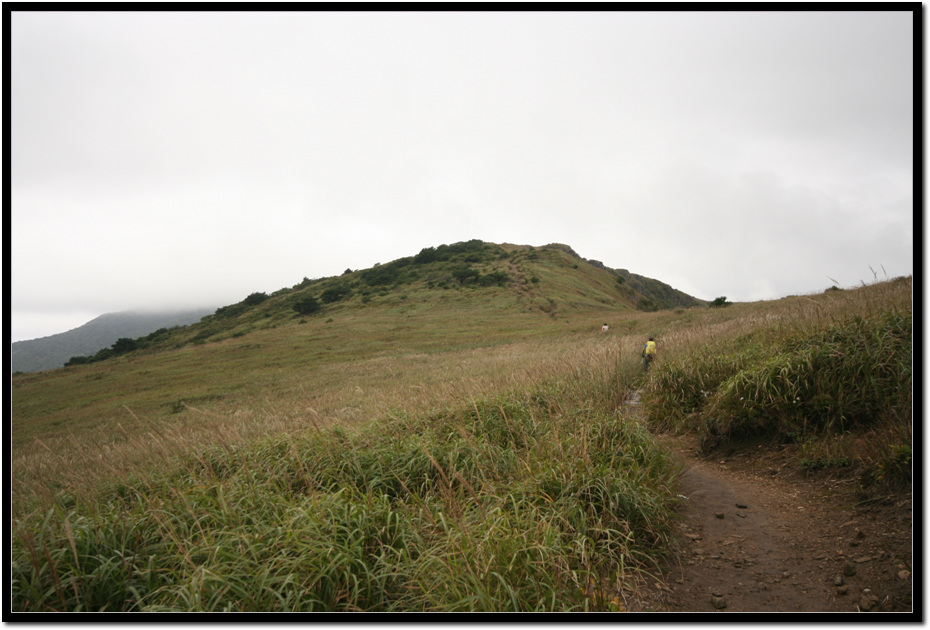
<point>382,275</point>
<point>255,298</point>
<point>336,293</point>
<point>496,278</point>
<point>307,305</point>
<point>647,305</point>
<point>103,355</point>
<point>124,345</point>
<point>426,255</point>
<point>233,310</point>
<point>161,333</point>
<point>464,273</point>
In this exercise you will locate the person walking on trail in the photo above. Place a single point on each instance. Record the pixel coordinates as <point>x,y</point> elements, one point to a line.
<point>649,353</point>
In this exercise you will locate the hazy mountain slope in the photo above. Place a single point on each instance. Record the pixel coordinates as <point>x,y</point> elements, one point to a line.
<point>447,282</point>
<point>53,351</point>
<point>470,285</point>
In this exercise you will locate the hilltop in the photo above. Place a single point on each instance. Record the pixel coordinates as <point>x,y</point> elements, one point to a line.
<point>447,282</point>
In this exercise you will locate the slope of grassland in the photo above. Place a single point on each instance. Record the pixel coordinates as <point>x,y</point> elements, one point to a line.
<point>412,447</point>
<point>400,334</point>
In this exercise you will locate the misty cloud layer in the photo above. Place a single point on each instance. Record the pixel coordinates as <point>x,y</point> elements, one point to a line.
<point>181,159</point>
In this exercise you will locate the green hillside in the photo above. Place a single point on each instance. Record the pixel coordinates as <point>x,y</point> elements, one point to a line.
<point>463,287</point>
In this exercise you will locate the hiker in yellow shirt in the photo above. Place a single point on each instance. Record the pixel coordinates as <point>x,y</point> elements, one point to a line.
<point>649,352</point>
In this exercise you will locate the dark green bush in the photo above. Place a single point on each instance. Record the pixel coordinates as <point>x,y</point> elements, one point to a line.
<point>124,345</point>
<point>233,310</point>
<point>336,293</point>
<point>382,275</point>
<point>255,298</point>
<point>161,333</point>
<point>647,305</point>
<point>307,305</point>
<point>426,256</point>
<point>464,274</point>
<point>496,278</point>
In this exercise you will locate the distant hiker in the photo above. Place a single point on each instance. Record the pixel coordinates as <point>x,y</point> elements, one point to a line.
<point>649,353</point>
<point>605,328</point>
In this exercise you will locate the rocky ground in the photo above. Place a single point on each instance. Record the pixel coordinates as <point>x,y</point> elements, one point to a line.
<point>759,535</point>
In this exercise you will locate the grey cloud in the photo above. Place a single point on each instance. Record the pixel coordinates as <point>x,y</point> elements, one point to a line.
<point>223,153</point>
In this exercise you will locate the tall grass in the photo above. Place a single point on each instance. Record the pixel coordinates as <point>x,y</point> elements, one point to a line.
<point>811,380</point>
<point>94,443</point>
<point>546,500</point>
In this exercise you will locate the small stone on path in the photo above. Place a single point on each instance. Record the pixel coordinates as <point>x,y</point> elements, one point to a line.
<point>868,601</point>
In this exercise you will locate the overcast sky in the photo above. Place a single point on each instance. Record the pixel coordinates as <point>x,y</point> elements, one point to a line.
<point>178,159</point>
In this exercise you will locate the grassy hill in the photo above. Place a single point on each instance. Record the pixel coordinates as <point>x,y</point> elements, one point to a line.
<point>447,434</point>
<point>426,309</point>
<point>464,289</point>
<point>511,280</point>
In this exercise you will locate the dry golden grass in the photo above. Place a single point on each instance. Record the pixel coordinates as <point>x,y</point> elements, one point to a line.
<point>78,429</point>
<point>133,439</point>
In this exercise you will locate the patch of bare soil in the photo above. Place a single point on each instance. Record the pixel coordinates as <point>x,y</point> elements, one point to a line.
<point>757,535</point>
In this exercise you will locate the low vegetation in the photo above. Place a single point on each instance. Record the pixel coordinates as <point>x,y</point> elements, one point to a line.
<point>540,501</point>
<point>838,373</point>
<point>466,448</point>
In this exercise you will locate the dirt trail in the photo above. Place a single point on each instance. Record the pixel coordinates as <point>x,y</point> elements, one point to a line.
<point>758,536</point>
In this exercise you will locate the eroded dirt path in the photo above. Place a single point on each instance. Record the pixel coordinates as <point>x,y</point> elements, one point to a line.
<point>757,537</point>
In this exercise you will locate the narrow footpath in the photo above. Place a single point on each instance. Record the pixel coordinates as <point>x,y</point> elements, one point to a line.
<point>757,535</point>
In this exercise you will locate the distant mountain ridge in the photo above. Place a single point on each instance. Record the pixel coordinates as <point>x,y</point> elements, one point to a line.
<point>52,352</point>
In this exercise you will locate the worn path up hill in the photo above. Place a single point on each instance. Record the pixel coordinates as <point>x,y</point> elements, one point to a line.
<point>759,536</point>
